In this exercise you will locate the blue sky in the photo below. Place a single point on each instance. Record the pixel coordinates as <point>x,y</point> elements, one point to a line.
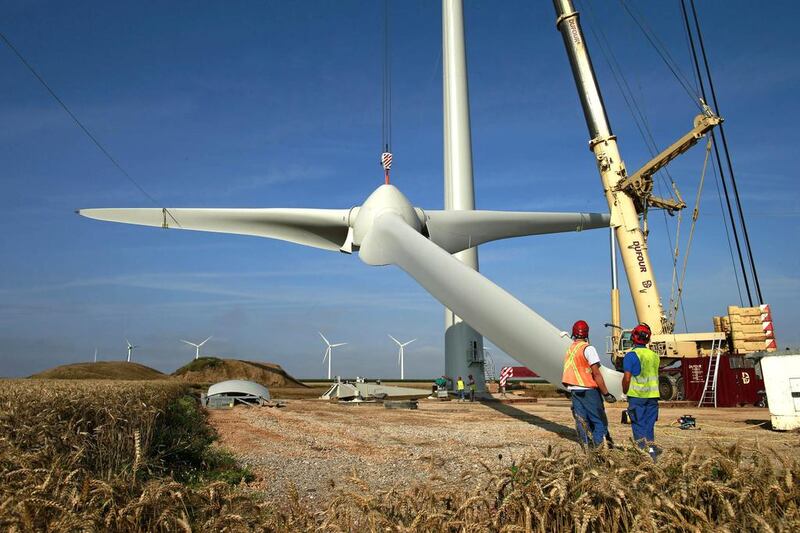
<point>273,104</point>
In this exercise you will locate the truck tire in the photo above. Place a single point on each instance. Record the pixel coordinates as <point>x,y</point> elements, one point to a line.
<point>669,387</point>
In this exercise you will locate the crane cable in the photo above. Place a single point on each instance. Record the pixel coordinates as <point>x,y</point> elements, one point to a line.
<point>83,128</point>
<point>663,52</point>
<point>716,154</point>
<point>727,157</point>
<point>695,214</point>
<point>386,106</point>
<point>690,47</point>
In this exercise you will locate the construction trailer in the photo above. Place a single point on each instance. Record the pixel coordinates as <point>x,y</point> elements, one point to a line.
<point>738,381</point>
<point>630,196</point>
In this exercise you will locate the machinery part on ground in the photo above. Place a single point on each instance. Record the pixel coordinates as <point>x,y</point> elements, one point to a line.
<point>400,404</point>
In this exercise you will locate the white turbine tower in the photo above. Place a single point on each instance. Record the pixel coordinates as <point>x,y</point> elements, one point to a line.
<point>329,351</point>
<point>400,354</point>
<point>95,355</point>
<point>131,347</point>
<point>197,346</point>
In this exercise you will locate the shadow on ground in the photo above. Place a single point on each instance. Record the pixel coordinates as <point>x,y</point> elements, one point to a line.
<point>764,424</point>
<point>565,432</point>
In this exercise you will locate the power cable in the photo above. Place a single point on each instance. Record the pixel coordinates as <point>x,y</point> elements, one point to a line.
<point>696,62</point>
<point>84,128</point>
<point>727,156</point>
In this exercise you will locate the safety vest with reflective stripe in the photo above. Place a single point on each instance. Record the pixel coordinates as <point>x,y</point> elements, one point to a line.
<point>460,385</point>
<point>645,385</point>
<point>576,368</point>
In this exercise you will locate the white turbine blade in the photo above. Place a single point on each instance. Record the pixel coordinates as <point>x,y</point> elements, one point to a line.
<point>455,231</point>
<point>338,344</point>
<point>128,342</point>
<point>187,342</point>
<point>323,338</point>
<point>395,340</point>
<point>327,353</point>
<point>493,312</point>
<point>320,228</point>
<point>409,342</point>
<point>205,341</point>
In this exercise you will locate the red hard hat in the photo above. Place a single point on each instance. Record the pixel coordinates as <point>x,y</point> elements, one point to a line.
<point>641,334</point>
<point>580,329</point>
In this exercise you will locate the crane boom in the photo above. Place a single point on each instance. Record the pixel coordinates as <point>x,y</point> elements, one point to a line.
<point>603,143</point>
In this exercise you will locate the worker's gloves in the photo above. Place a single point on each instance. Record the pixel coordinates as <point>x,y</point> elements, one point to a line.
<point>610,398</point>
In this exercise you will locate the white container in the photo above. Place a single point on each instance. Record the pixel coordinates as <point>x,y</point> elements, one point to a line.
<point>782,381</point>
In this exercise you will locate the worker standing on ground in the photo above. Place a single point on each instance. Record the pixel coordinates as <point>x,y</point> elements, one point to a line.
<point>472,388</point>
<point>587,387</point>
<point>640,384</point>
<point>460,389</point>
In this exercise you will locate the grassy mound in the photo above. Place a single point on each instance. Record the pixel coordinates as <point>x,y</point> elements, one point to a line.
<point>212,370</point>
<point>118,370</point>
<point>198,365</point>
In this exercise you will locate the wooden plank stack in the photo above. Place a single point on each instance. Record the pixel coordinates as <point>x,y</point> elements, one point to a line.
<point>749,328</point>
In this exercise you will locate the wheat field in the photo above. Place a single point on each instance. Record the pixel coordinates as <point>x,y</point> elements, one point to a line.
<point>138,456</point>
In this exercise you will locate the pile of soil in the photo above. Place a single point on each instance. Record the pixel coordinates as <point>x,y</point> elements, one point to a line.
<point>213,370</point>
<point>101,370</point>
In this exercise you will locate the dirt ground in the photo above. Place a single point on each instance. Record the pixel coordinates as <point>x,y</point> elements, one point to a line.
<point>315,445</point>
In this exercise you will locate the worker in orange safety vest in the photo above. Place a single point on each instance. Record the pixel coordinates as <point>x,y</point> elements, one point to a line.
<point>586,387</point>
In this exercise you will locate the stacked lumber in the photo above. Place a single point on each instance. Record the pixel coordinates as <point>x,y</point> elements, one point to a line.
<point>750,328</point>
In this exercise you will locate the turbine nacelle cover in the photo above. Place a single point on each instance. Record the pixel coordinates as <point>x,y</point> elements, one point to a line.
<point>385,199</point>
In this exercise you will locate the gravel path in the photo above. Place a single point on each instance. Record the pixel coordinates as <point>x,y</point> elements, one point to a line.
<point>315,445</point>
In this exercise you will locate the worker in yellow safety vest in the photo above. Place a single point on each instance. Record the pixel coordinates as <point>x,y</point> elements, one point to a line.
<point>587,388</point>
<point>640,384</point>
<point>460,388</point>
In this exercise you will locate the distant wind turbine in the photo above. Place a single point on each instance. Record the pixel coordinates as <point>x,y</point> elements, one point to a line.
<point>130,349</point>
<point>197,346</point>
<point>329,351</point>
<point>95,355</point>
<point>400,354</point>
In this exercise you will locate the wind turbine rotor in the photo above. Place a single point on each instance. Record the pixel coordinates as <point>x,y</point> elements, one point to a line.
<point>387,229</point>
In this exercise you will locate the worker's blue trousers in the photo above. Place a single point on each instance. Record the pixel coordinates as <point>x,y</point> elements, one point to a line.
<point>590,416</point>
<point>643,413</point>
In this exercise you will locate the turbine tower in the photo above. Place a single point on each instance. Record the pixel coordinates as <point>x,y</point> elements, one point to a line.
<point>95,355</point>
<point>131,347</point>
<point>197,346</point>
<point>329,351</point>
<point>400,354</point>
<point>463,346</point>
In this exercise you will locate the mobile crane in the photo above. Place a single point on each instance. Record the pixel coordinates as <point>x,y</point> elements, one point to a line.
<point>628,197</point>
